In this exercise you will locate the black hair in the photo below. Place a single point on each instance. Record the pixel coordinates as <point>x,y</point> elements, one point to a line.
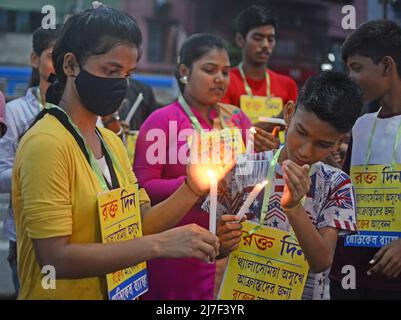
<point>42,39</point>
<point>333,97</point>
<point>91,32</point>
<point>253,17</point>
<point>194,48</point>
<point>35,78</point>
<point>375,40</point>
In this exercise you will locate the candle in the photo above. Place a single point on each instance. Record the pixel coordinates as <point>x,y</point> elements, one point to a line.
<point>251,140</point>
<point>213,202</point>
<point>249,200</point>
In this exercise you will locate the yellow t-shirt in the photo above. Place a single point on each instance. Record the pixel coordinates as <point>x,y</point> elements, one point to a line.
<point>55,194</point>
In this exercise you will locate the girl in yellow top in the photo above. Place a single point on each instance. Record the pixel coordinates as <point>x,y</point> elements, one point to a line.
<point>55,186</point>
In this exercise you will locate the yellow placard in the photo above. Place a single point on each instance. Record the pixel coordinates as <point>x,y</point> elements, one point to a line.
<point>378,198</point>
<point>130,141</point>
<point>268,265</point>
<point>255,107</point>
<point>120,220</point>
<point>229,138</point>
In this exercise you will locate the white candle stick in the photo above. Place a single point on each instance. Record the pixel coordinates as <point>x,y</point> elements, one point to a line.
<point>213,202</point>
<point>251,140</point>
<point>250,199</point>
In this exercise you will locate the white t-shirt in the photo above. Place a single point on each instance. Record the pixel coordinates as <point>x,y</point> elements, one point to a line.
<point>329,203</point>
<point>383,139</point>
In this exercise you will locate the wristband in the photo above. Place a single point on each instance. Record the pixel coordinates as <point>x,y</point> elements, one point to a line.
<point>295,207</point>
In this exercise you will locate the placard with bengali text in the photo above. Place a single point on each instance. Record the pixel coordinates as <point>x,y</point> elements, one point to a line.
<point>378,199</point>
<point>268,265</point>
<point>120,220</point>
<point>255,107</point>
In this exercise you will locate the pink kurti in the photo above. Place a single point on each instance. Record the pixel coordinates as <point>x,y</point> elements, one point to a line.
<point>176,279</point>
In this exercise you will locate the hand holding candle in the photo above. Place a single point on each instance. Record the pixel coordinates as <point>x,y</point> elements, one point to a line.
<point>250,199</point>
<point>264,140</point>
<point>216,161</point>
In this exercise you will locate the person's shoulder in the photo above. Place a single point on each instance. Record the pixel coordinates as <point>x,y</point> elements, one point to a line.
<point>23,108</point>
<point>16,105</point>
<point>235,71</point>
<point>235,74</point>
<point>46,137</point>
<point>281,77</point>
<point>168,111</point>
<point>48,126</point>
<point>365,119</point>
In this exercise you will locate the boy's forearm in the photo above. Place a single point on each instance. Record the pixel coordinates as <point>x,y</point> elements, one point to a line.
<point>313,245</point>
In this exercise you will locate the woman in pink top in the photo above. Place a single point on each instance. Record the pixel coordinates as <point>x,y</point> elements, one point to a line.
<point>203,75</point>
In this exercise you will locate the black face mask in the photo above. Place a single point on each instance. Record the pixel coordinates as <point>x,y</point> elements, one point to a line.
<point>102,96</point>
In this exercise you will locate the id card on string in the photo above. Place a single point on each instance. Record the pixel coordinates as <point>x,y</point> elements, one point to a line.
<point>256,106</point>
<point>378,198</point>
<point>120,220</point>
